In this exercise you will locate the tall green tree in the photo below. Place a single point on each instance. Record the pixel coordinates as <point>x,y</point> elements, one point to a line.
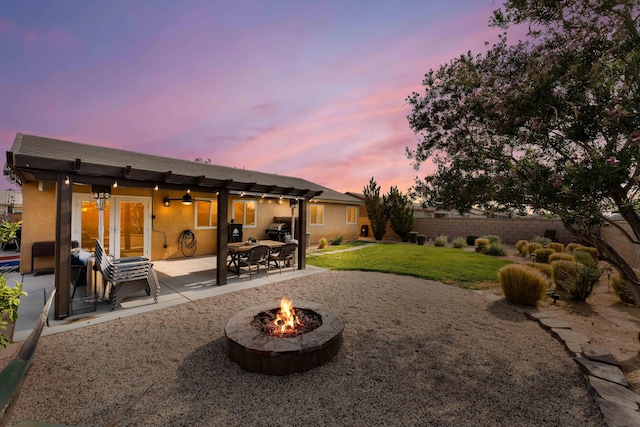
<point>551,123</point>
<point>400,212</point>
<point>376,210</point>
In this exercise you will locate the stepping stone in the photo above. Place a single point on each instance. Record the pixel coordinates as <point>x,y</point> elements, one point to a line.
<point>613,392</point>
<point>573,340</point>
<point>602,370</point>
<point>535,314</point>
<point>599,354</point>
<point>549,323</point>
<point>618,415</point>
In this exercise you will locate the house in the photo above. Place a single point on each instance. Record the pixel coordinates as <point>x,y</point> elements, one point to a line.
<point>141,205</point>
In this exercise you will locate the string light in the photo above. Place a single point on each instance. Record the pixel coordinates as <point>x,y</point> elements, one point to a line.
<point>115,184</point>
<point>67,181</point>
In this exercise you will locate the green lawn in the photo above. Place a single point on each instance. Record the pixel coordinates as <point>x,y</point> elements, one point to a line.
<point>456,266</point>
<point>347,245</point>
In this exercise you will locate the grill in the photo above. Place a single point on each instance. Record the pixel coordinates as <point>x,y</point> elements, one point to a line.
<point>278,231</point>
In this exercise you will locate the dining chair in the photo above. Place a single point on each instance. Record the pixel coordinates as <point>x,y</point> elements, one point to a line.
<point>257,256</point>
<point>285,255</point>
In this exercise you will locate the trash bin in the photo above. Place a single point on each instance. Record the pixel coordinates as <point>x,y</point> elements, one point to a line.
<point>308,240</point>
<point>364,231</point>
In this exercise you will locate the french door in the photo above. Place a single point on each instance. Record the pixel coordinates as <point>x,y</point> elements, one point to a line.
<point>126,224</point>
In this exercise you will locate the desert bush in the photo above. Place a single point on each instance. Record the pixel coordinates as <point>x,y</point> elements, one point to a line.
<point>492,238</point>
<point>582,257</point>
<point>322,243</point>
<point>522,246</point>
<point>522,284</point>
<point>471,240</point>
<point>571,247</point>
<point>542,240</point>
<point>581,285</point>
<point>545,268</point>
<point>421,238</point>
<point>558,247</point>
<point>481,245</point>
<point>441,241</point>
<point>562,272</point>
<point>561,257</point>
<point>496,249</point>
<point>591,251</point>
<point>336,240</point>
<point>459,242</point>
<point>542,255</point>
<point>621,288</point>
<point>533,247</point>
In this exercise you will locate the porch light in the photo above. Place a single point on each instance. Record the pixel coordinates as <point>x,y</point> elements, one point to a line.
<point>66,181</point>
<point>115,184</point>
<point>100,192</point>
<point>186,199</point>
<point>156,187</point>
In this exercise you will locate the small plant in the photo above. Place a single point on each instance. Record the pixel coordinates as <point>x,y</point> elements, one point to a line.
<point>441,241</point>
<point>522,284</point>
<point>563,271</point>
<point>9,302</point>
<point>322,243</point>
<point>336,241</point>
<point>542,240</point>
<point>586,277</point>
<point>572,247</point>
<point>471,240</point>
<point>542,255</point>
<point>621,288</point>
<point>558,247</point>
<point>413,236</point>
<point>522,246</point>
<point>533,247</point>
<point>459,242</point>
<point>560,257</point>
<point>492,238</point>
<point>482,245</point>
<point>496,249</point>
<point>9,230</point>
<point>421,238</point>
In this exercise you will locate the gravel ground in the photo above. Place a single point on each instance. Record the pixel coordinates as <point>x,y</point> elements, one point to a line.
<point>415,352</point>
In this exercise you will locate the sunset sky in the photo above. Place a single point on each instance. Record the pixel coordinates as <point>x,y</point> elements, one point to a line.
<point>312,89</point>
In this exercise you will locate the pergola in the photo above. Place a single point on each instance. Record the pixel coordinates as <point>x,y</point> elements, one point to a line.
<point>34,158</point>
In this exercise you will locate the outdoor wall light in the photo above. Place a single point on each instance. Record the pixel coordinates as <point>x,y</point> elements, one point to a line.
<point>115,184</point>
<point>186,199</point>
<point>156,187</point>
<point>100,192</point>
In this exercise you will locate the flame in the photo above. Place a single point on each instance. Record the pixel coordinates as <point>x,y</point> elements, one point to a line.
<point>286,319</point>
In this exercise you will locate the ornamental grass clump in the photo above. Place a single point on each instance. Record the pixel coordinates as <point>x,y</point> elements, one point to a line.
<point>441,241</point>
<point>492,238</point>
<point>542,255</point>
<point>558,247</point>
<point>544,268</point>
<point>482,245</point>
<point>561,257</point>
<point>522,284</point>
<point>544,241</point>
<point>496,249</point>
<point>583,257</point>
<point>533,247</point>
<point>459,242</point>
<point>588,249</point>
<point>322,243</point>
<point>563,271</point>
<point>621,288</point>
<point>572,247</point>
<point>522,246</point>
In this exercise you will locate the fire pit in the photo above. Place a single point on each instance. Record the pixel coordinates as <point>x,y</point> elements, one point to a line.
<point>280,340</point>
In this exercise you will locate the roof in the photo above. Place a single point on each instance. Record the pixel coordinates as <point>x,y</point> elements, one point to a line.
<point>37,158</point>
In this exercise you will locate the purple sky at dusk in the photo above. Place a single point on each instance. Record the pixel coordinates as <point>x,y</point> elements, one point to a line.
<point>313,89</point>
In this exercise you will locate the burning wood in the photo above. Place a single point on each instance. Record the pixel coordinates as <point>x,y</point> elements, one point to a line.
<point>286,321</point>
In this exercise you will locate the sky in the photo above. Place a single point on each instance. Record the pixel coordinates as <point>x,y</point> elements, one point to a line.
<point>311,89</point>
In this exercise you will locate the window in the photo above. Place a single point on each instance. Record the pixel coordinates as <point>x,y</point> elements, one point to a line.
<point>317,215</point>
<point>244,212</point>
<point>206,213</point>
<point>352,214</point>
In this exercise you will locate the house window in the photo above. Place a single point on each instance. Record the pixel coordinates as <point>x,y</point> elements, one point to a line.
<point>352,214</point>
<point>206,213</point>
<point>317,215</point>
<point>244,212</point>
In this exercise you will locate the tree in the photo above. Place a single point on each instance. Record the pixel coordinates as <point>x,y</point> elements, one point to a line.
<point>550,124</point>
<point>400,212</point>
<point>376,210</point>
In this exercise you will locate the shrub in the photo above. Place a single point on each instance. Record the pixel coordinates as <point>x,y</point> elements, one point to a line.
<point>523,247</point>
<point>542,255</point>
<point>459,242</point>
<point>441,241</point>
<point>9,302</point>
<point>582,257</point>
<point>492,238</point>
<point>580,286</point>
<point>413,236</point>
<point>336,240</point>
<point>322,243</point>
<point>481,245</point>
<point>542,240</point>
<point>558,247</point>
<point>562,273</point>
<point>561,257</point>
<point>522,284</point>
<point>621,288</point>
<point>571,247</point>
<point>545,268</point>
<point>496,249</point>
<point>421,238</point>
<point>533,247</point>
<point>471,240</point>
<point>591,251</point>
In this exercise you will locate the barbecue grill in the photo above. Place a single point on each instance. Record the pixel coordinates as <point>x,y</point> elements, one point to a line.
<point>278,231</point>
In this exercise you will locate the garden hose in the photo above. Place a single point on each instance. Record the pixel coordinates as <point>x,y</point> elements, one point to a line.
<point>187,243</point>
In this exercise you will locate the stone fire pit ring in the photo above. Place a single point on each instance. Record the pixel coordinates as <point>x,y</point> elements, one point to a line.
<point>256,352</point>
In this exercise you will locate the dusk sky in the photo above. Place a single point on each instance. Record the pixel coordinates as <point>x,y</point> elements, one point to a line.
<point>312,89</point>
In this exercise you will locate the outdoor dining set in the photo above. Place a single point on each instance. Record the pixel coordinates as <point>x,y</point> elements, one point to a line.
<point>265,253</point>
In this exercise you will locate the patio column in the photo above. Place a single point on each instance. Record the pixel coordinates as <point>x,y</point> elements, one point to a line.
<point>223,236</point>
<point>302,234</point>
<point>62,263</point>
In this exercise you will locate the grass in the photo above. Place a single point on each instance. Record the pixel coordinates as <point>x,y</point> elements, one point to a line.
<point>468,269</point>
<point>344,245</point>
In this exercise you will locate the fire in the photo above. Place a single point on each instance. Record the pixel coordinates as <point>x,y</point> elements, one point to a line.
<point>286,319</point>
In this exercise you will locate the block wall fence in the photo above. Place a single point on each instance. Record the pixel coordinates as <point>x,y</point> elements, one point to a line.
<point>613,236</point>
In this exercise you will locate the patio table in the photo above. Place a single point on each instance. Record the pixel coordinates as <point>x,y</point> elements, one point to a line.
<point>238,249</point>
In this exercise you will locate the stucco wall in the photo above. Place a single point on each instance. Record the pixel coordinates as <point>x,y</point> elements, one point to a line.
<point>38,222</point>
<point>335,224</point>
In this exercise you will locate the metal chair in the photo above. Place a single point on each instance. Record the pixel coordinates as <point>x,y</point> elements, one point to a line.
<point>256,257</point>
<point>284,256</point>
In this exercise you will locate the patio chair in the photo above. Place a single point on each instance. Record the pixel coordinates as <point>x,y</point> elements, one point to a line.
<point>255,257</point>
<point>284,256</point>
<point>126,276</point>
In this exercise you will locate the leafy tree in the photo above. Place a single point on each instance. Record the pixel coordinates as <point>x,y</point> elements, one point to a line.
<point>400,212</point>
<point>375,209</point>
<point>551,123</point>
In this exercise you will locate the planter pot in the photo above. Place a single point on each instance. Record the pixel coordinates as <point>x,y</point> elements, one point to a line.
<point>413,235</point>
<point>421,238</point>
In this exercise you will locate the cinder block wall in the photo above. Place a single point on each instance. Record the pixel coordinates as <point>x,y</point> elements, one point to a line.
<point>625,248</point>
<point>509,229</point>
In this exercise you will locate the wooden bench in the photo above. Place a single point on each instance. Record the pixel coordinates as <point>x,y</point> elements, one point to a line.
<point>127,276</point>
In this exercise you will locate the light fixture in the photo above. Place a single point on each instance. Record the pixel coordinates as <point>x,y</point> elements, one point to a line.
<point>186,199</point>
<point>166,201</point>
<point>156,187</point>
<point>100,192</point>
<point>115,184</point>
<point>66,181</point>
